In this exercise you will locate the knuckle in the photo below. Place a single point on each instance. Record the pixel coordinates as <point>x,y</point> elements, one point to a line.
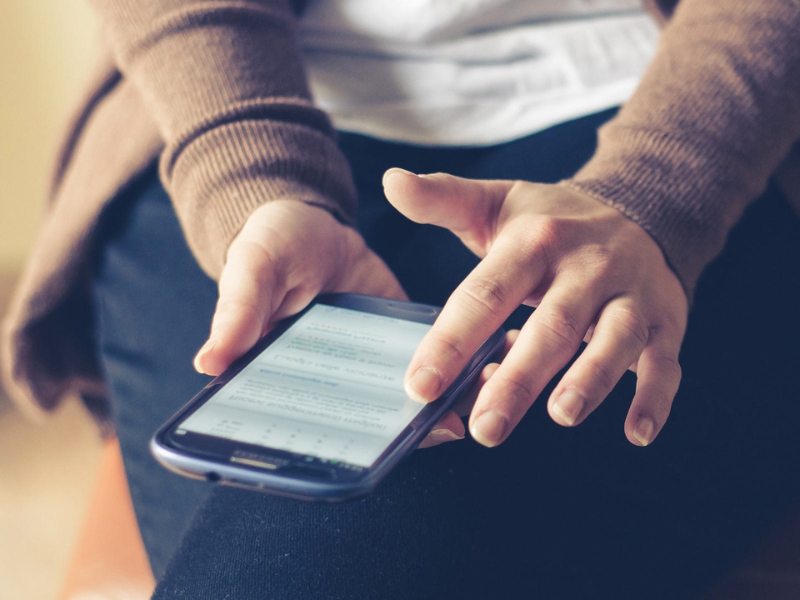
<point>669,368</point>
<point>664,386</point>
<point>486,296</point>
<point>236,307</point>
<point>560,325</point>
<point>547,231</point>
<point>601,374</point>
<point>539,243</point>
<point>519,388</point>
<point>257,260</point>
<point>633,325</point>
<point>670,326</point>
<point>601,264</point>
<point>602,255</point>
<point>448,348</point>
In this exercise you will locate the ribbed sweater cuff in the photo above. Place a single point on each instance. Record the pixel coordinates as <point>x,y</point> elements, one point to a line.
<point>713,117</point>
<point>220,177</point>
<point>684,196</point>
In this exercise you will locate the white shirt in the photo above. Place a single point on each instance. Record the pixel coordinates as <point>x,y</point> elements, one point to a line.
<point>471,72</point>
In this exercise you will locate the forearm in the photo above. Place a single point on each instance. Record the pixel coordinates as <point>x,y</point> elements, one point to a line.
<point>716,112</point>
<point>225,84</point>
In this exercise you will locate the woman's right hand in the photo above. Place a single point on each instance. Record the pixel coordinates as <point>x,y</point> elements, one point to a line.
<point>286,253</point>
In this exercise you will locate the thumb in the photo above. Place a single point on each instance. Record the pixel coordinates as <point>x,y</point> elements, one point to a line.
<point>467,207</point>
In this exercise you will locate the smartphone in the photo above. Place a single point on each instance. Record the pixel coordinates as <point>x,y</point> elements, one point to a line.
<point>316,410</point>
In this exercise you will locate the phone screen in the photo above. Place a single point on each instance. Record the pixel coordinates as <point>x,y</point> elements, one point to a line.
<point>330,387</point>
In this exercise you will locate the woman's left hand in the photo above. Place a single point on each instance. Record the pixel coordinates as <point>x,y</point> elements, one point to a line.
<point>593,275</point>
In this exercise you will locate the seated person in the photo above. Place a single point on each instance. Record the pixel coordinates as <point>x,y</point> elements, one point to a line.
<point>609,245</point>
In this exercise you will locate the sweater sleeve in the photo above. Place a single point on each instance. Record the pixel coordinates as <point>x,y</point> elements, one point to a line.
<point>714,115</point>
<point>224,82</point>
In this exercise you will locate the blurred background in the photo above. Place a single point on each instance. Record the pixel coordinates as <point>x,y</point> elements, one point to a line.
<point>46,469</point>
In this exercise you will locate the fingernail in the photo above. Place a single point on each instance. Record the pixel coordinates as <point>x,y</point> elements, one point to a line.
<point>205,349</point>
<point>395,170</point>
<point>643,433</point>
<point>424,385</point>
<point>490,428</point>
<point>568,406</point>
<point>439,436</point>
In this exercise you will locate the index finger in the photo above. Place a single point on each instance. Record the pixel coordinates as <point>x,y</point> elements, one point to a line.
<point>478,306</point>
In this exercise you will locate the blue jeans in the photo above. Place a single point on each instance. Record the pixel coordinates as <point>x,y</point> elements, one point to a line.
<point>551,513</point>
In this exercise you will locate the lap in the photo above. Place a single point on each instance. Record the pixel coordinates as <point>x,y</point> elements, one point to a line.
<point>553,512</point>
<point>153,309</point>
<point>557,513</point>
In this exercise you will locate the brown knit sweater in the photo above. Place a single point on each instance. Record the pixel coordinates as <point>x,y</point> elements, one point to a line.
<point>216,88</point>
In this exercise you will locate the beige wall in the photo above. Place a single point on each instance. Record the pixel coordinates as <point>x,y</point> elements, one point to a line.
<point>46,47</point>
<point>46,470</point>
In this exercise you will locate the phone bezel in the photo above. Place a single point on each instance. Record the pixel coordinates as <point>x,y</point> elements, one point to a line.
<point>298,475</point>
